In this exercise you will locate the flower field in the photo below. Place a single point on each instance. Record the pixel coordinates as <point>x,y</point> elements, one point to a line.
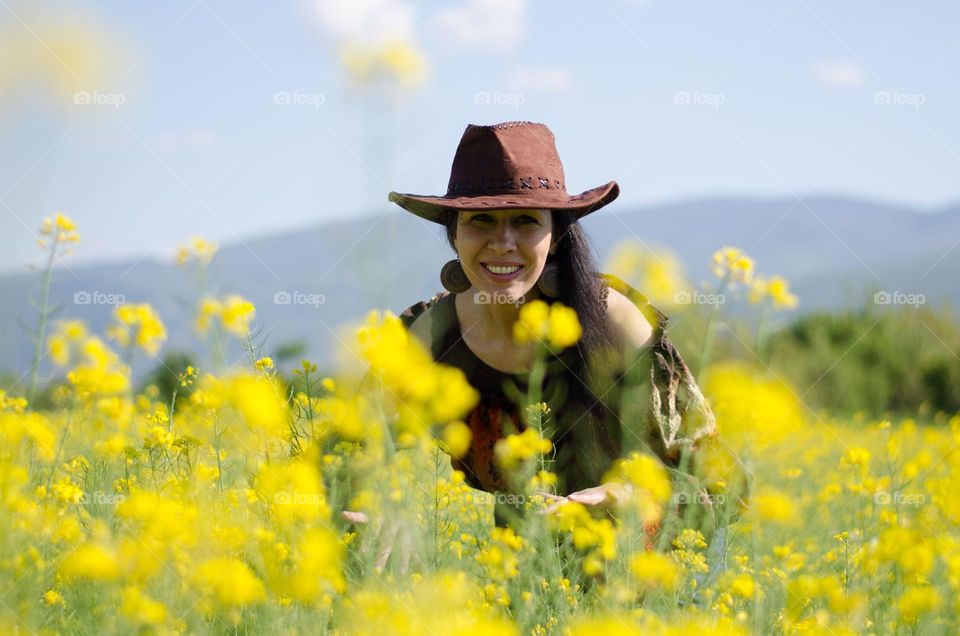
<point>247,500</point>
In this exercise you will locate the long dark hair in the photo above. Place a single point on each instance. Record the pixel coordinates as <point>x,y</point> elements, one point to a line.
<point>592,436</point>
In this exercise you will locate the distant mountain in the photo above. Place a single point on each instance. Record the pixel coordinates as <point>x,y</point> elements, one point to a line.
<point>835,251</point>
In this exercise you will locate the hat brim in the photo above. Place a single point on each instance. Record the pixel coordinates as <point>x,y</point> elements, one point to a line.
<point>436,208</point>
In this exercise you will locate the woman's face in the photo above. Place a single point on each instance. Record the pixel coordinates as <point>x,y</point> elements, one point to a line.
<point>504,251</point>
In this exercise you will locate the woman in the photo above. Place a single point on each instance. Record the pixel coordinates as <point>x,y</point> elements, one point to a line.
<point>517,237</point>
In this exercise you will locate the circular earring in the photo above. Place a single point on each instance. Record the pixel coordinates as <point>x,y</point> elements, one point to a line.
<point>549,281</point>
<point>453,278</point>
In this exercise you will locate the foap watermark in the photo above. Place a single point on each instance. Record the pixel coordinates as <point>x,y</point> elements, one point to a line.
<point>297,98</point>
<point>297,498</point>
<point>501,498</point>
<point>103,498</point>
<point>84,297</point>
<point>299,298</point>
<point>702,498</point>
<point>496,98</point>
<point>96,98</point>
<point>698,298</point>
<point>896,98</point>
<point>898,298</point>
<point>496,298</point>
<point>696,98</point>
<point>897,498</point>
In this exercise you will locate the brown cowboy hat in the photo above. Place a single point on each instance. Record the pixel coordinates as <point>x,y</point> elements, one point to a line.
<point>510,165</point>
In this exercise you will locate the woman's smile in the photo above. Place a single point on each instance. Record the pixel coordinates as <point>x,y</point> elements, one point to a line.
<point>502,271</point>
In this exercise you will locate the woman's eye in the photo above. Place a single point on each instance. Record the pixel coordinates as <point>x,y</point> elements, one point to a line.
<point>483,218</point>
<point>527,219</point>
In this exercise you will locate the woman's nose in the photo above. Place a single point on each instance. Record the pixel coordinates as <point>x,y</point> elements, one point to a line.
<point>504,236</point>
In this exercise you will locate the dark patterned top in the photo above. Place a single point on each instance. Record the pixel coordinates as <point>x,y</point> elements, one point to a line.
<point>583,451</point>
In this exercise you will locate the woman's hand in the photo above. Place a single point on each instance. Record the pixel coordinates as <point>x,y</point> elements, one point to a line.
<point>601,497</point>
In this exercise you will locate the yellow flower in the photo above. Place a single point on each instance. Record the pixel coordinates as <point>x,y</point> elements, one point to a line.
<point>424,392</point>
<point>259,402</point>
<point>319,567</point>
<point>210,308</point>
<point>60,228</point>
<point>917,600</point>
<point>564,328</point>
<point>396,60</point>
<point>776,289</point>
<point>198,250</point>
<point>52,597</point>
<point>555,324</point>
<point>236,314</point>
<point>230,582</point>
<point>517,448</point>
<point>91,561</point>
<point>138,325</point>
<point>649,480</point>
<point>732,264</point>
<point>263,364</point>
<point>779,291</point>
<point>655,570</point>
<point>140,609</point>
<point>752,411</point>
<point>657,272</point>
<point>774,506</point>
<point>742,585</point>
<point>457,436</point>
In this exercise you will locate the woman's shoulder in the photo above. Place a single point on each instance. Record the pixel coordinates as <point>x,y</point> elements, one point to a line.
<point>418,317</point>
<point>633,319</point>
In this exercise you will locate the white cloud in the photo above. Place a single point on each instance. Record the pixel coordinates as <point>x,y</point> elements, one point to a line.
<point>367,21</point>
<point>551,79</point>
<point>840,73</point>
<point>493,25</point>
<point>185,139</point>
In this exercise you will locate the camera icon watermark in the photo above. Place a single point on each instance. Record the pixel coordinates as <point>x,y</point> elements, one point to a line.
<point>84,297</point>
<point>496,98</point>
<point>696,98</point>
<point>96,98</point>
<point>698,298</point>
<point>496,298</point>
<point>897,498</point>
<point>896,98</point>
<point>899,298</point>
<point>284,297</point>
<point>297,98</point>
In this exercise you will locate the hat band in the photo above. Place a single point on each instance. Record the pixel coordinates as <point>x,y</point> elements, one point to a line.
<point>494,185</point>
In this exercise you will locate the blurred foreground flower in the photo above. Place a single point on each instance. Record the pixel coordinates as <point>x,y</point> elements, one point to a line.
<point>776,289</point>
<point>60,229</point>
<point>554,324</point>
<point>657,273</point>
<point>752,411</point>
<point>732,265</point>
<point>399,62</point>
<point>138,325</point>
<point>424,392</point>
<point>233,312</point>
<point>197,250</point>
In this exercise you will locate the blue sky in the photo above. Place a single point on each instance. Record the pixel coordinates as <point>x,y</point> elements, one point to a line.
<point>787,98</point>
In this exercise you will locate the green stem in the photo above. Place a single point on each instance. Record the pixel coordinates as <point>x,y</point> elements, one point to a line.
<point>41,334</point>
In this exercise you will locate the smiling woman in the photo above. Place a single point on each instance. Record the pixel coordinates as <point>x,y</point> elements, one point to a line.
<point>517,237</point>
